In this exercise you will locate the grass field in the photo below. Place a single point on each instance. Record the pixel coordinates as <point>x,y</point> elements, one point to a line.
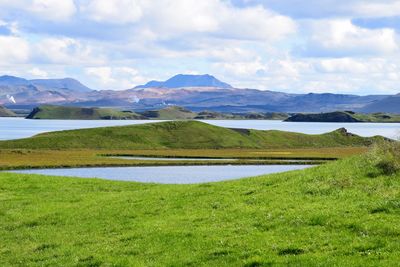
<point>344,213</point>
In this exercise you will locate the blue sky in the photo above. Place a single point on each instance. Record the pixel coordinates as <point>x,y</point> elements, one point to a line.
<point>293,46</point>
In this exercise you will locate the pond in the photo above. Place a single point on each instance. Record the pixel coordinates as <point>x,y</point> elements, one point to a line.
<point>169,174</point>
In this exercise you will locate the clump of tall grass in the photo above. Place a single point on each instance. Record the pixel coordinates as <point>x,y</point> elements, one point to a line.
<point>385,155</point>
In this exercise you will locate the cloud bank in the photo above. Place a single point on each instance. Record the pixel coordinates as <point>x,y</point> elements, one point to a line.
<point>287,45</point>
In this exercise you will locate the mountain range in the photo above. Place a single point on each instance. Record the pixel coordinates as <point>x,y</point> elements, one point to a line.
<point>195,92</point>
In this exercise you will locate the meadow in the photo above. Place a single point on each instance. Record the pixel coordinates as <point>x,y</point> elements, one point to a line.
<point>344,213</point>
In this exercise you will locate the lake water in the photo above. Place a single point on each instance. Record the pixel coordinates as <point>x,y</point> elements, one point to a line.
<point>14,128</point>
<point>169,174</point>
<point>170,158</point>
<point>293,161</point>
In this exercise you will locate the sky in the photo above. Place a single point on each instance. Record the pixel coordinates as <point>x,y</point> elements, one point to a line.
<point>294,46</point>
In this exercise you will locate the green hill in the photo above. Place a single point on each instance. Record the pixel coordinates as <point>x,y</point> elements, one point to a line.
<point>179,113</point>
<point>77,113</point>
<point>170,113</point>
<point>344,116</point>
<point>185,135</point>
<point>344,213</point>
<point>377,117</point>
<point>4,112</point>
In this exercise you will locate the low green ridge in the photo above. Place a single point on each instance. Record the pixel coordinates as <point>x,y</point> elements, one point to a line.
<point>344,116</point>
<point>344,213</point>
<point>180,113</point>
<point>184,135</point>
<point>78,113</point>
<point>4,112</point>
<point>170,113</point>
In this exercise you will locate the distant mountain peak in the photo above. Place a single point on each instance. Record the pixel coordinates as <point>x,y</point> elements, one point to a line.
<point>187,80</point>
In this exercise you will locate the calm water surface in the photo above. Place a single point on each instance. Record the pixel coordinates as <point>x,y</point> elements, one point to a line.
<point>169,158</point>
<point>14,128</point>
<point>390,130</point>
<point>170,174</point>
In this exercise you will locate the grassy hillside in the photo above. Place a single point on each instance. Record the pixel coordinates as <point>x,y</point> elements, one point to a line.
<point>4,112</point>
<point>170,113</point>
<point>77,113</point>
<point>185,135</point>
<point>344,116</point>
<point>266,116</point>
<point>179,113</point>
<point>377,117</point>
<point>344,213</point>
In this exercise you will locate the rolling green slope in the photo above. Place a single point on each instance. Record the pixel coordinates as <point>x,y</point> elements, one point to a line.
<point>4,112</point>
<point>77,113</point>
<point>179,113</point>
<point>170,113</point>
<point>344,213</point>
<point>185,135</point>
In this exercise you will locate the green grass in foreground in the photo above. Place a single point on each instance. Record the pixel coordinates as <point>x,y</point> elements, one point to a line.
<point>344,213</point>
<point>184,135</point>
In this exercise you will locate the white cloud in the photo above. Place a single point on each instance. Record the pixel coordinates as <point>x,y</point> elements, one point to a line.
<point>66,51</point>
<point>54,10</point>
<point>180,16</point>
<point>241,69</point>
<point>103,74</point>
<point>38,73</point>
<point>221,19</point>
<point>377,8</point>
<point>116,78</point>
<point>348,65</point>
<point>113,12</point>
<point>13,50</point>
<point>247,45</point>
<point>255,23</point>
<point>340,37</point>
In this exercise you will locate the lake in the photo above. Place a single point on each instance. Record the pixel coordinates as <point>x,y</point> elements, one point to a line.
<point>14,128</point>
<point>169,174</point>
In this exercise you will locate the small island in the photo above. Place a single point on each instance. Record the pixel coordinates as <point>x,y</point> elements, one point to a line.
<point>344,116</point>
<point>4,112</point>
<point>78,113</point>
<point>168,113</point>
